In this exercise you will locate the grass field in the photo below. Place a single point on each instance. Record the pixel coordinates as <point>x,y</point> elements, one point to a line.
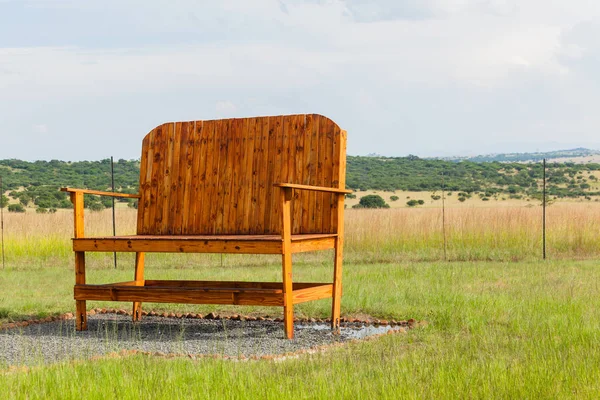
<point>495,330</point>
<point>500,322</point>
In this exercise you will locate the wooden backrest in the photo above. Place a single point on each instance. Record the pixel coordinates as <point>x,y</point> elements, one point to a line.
<point>216,177</point>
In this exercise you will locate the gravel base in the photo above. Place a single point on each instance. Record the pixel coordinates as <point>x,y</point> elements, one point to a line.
<point>58,341</point>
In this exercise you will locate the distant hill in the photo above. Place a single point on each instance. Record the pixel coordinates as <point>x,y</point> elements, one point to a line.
<point>579,154</point>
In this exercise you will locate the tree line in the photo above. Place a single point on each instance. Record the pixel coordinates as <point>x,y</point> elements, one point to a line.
<point>37,183</point>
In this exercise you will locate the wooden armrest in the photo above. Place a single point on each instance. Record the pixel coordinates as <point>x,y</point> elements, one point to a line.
<point>101,193</point>
<point>314,188</point>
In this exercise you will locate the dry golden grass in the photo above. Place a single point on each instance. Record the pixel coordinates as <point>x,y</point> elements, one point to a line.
<point>472,233</point>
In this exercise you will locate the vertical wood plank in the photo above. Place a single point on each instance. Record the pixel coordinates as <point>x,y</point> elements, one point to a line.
<point>337,179</point>
<point>145,171</point>
<point>296,172</point>
<point>187,153</point>
<point>210,207</point>
<point>337,269</point>
<point>78,223</point>
<point>195,183</point>
<point>269,205</point>
<point>156,177</point>
<point>339,243</point>
<point>308,199</point>
<point>261,167</point>
<point>164,199</point>
<point>327,127</point>
<point>319,140</point>
<point>286,260</point>
<point>246,183</point>
<point>78,232</point>
<point>224,175</point>
<point>203,188</point>
<point>235,166</point>
<point>278,175</point>
<point>175,186</point>
<point>138,277</point>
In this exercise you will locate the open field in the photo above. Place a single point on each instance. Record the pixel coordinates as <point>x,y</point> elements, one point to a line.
<point>472,233</point>
<point>495,330</point>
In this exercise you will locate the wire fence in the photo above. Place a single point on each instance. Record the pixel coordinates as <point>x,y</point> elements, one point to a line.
<point>535,229</point>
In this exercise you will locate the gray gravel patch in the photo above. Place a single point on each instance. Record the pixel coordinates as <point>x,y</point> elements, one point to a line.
<point>58,341</point>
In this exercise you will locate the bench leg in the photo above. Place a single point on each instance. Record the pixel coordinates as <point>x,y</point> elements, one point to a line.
<point>139,281</point>
<point>80,306</point>
<point>288,301</point>
<point>337,287</point>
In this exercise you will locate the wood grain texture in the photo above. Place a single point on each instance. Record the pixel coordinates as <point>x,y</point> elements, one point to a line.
<point>167,245</point>
<point>241,244</point>
<point>216,177</point>
<point>312,293</point>
<point>201,292</point>
<point>138,277</point>
<point>263,185</point>
<point>100,193</point>
<point>286,262</point>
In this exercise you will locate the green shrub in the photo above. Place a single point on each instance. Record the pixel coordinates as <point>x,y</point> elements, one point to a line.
<point>372,201</point>
<point>394,198</point>
<point>16,208</point>
<point>350,196</point>
<point>412,203</point>
<point>462,199</point>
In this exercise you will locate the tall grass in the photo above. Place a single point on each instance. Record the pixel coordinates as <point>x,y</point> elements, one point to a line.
<point>477,233</point>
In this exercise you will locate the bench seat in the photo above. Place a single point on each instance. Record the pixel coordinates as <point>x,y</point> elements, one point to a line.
<point>241,244</point>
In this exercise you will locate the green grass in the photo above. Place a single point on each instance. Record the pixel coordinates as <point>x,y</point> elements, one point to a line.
<point>495,330</point>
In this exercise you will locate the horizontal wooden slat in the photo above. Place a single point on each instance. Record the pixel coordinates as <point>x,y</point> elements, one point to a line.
<point>128,283</point>
<point>313,245</point>
<point>241,244</point>
<point>323,291</point>
<point>177,246</point>
<point>278,286</point>
<point>179,295</point>
<point>265,238</point>
<point>101,193</point>
<point>203,292</point>
<point>313,188</point>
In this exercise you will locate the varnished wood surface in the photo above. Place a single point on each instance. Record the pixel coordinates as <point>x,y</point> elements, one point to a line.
<point>264,238</point>
<point>313,188</point>
<point>191,292</point>
<point>217,177</point>
<point>100,193</point>
<point>251,244</point>
<point>263,185</point>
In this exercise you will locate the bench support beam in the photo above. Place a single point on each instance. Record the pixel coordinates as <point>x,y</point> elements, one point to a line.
<point>286,261</point>
<point>139,281</point>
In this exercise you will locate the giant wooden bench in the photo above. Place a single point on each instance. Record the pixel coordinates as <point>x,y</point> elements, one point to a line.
<point>264,185</point>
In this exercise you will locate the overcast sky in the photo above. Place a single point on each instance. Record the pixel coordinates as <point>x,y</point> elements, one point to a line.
<point>84,80</point>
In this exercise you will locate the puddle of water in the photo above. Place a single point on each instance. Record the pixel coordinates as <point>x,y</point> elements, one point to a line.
<point>353,332</point>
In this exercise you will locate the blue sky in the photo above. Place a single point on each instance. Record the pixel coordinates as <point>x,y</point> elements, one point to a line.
<point>88,79</point>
